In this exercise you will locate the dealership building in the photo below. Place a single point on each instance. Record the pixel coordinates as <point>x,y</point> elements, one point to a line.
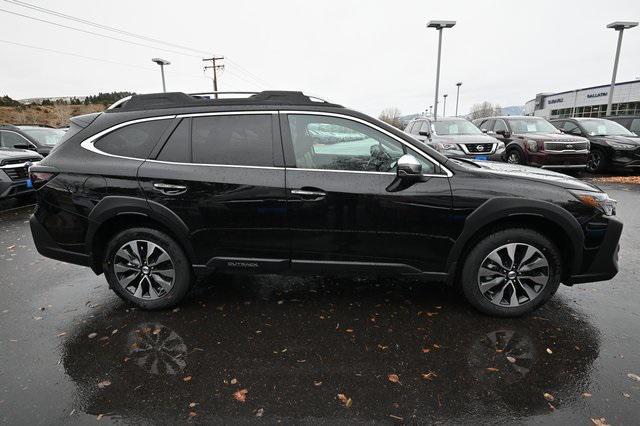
<point>587,102</point>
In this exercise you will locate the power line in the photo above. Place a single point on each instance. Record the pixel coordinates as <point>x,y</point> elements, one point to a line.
<point>96,34</point>
<point>127,33</point>
<point>101,26</point>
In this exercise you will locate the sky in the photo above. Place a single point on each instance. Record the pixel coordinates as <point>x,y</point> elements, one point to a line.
<point>367,55</point>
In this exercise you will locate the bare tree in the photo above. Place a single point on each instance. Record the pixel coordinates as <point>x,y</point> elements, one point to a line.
<point>60,114</point>
<point>391,116</point>
<point>484,109</point>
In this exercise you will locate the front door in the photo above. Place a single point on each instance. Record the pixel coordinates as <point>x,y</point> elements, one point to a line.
<point>342,211</point>
<point>219,174</point>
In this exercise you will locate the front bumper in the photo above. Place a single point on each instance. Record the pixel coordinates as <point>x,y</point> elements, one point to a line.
<point>13,188</point>
<point>601,263</point>
<point>557,160</point>
<point>488,157</point>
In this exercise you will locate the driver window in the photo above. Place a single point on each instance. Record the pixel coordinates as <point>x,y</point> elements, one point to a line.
<point>500,125</point>
<point>571,128</point>
<point>332,143</point>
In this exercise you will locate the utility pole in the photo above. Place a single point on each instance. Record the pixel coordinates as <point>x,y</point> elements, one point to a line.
<point>458,96</point>
<point>438,25</point>
<point>215,67</point>
<point>444,109</point>
<point>162,63</point>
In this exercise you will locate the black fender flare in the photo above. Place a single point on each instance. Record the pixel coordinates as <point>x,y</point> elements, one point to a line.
<point>499,208</point>
<point>112,206</point>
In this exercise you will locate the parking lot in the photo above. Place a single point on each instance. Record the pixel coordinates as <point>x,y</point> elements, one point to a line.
<point>311,350</point>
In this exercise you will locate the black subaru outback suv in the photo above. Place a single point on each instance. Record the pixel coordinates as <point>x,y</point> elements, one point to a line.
<point>162,187</point>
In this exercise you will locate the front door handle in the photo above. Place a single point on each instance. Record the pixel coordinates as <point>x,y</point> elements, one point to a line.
<point>169,189</point>
<point>309,195</point>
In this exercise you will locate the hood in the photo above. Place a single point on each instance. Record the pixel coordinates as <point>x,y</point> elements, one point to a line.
<point>554,137</point>
<point>536,174</point>
<point>9,155</point>
<point>628,140</point>
<point>481,138</point>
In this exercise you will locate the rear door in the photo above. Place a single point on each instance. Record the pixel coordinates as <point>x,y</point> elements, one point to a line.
<point>220,175</point>
<point>342,212</point>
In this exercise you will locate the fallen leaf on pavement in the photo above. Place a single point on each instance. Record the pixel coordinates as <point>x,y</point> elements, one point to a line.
<point>626,395</point>
<point>103,384</point>
<point>260,412</point>
<point>599,421</point>
<point>192,404</point>
<point>100,416</point>
<point>586,395</point>
<point>511,359</point>
<point>64,333</point>
<point>634,377</point>
<point>192,414</point>
<point>347,402</point>
<point>394,378</point>
<point>186,379</point>
<point>492,369</point>
<point>241,395</point>
<point>549,351</point>
<point>396,417</point>
<point>429,376</point>
<point>317,383</point>
<point>548,396</point>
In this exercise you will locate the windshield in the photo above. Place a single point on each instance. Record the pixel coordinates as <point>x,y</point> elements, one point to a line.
<point>455,127</point>
<point>531,125</point>
<point>45,136</point>
<point>604,128</point>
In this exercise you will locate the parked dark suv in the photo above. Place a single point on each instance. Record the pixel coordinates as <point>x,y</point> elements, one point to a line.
<point>629,122</point>
<point>165,186</point>
<point>612,146</point>
<point>36,138</point>
<point>456,137</point>
<point>536,142</point>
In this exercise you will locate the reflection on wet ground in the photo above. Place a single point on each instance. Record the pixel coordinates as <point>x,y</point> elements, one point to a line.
<point>311,350</point>
<point>296,344</point>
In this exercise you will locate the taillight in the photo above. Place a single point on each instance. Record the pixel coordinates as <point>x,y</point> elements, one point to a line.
<point>40,179</point>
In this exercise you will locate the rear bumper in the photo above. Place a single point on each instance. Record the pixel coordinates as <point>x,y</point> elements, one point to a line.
<point>604,264</point>
<point>47,247</point>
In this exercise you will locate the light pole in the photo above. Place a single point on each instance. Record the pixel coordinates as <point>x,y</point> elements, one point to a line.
<point>430,113</point>
<point>439,25</point>
<point>619,26</point>
<point>162,63</point>
<point>458,96</point>
<point>444,108</point>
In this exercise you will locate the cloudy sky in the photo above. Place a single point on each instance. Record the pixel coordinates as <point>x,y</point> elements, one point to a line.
<point>363,54</point>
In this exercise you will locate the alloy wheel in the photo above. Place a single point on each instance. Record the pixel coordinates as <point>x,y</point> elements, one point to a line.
<point>144,269</point>
<point>513,158</point>
<point>513,275</point>
<point>593,163</point>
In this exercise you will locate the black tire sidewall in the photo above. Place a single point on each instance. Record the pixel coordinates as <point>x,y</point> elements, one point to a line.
<point>518,153</point>
<point>601,165</point>
<point>183,272</point>
<point>478,253</point>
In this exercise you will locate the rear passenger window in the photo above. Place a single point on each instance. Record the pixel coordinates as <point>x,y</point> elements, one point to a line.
<point>177,147</point>
<point>486,125</point>
<point>135,140</point>
<point>635,126</point>
<point>244,140</point>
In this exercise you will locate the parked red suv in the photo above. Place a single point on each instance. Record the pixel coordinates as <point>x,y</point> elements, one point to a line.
<point>536,142</point>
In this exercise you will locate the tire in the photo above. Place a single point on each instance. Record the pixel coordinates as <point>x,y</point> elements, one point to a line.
<point>532,250</point>
<point>150,255</point>
<point>597,161</point>
<point>514,156</point>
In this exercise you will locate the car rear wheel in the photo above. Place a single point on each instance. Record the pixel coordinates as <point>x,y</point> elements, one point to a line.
<point>514,156</point>
<point>597,161</point>
<point>511,272</point>
<point>148,268</point>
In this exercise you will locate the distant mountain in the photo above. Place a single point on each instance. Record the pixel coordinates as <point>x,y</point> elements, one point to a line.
<point>513,110</point>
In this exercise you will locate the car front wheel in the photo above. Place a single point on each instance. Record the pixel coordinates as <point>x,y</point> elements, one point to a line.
<point>148,268</point>
<point>514,156</point>
<point>511,272</point>
<point>597,161</point>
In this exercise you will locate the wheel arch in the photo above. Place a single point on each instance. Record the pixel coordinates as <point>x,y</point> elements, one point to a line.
<point>114,214</point>
<point>503,212</point>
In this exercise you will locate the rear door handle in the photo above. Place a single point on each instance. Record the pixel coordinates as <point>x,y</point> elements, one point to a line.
<point>308,195</point>
<point>169,189</point>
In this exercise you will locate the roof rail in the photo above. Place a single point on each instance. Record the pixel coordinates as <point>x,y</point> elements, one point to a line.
<point>119,102</point>
<point>222,93</point>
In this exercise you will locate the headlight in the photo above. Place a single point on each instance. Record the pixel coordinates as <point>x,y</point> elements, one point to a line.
<point>500,147</point>
<point>447,147</point>
<point>597,200</point>
<point>617,145</point>
<point>532,145</point>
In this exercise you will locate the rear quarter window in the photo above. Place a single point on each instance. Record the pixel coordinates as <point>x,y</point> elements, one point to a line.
<point>135,140</point>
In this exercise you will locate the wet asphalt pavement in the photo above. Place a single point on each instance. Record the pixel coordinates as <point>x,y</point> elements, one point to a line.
<point>396,351</point>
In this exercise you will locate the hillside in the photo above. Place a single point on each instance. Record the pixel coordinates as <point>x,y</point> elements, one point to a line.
<point>50,115</point>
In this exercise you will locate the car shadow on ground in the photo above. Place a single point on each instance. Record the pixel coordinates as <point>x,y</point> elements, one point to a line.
<point>393,348</point>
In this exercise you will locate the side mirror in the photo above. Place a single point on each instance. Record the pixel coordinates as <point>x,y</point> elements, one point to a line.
<point>408,167</point>
<point>484,130</point>
<point>427,134</point>
<point>504,133</point>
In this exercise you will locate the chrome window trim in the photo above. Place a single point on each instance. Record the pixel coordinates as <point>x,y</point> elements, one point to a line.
<point>447,174</point>
<point>88,143</point>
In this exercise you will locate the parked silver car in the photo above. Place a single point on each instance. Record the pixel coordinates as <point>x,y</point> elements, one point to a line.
<point>456,137</point>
